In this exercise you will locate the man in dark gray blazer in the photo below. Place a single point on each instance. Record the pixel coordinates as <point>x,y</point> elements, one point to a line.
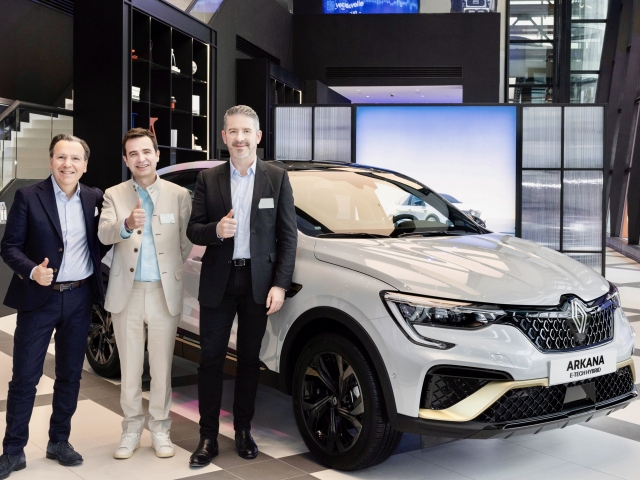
<point>243,212</point>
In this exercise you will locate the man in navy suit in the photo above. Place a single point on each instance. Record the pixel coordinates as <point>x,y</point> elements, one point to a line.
<point>51,244</point>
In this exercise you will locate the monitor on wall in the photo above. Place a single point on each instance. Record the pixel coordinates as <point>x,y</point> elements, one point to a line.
<point>465,153</point>
<point>370,6</point>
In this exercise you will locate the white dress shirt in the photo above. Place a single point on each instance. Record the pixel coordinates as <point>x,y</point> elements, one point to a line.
<point>76,259</point>
<point>241,197</point>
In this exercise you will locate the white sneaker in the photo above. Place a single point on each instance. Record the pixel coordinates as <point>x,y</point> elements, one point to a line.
<point>129,443</point>
<point>161,443</point>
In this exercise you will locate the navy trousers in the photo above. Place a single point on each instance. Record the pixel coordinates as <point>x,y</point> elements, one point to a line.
<point>69,314</point>
<point>215,328</point>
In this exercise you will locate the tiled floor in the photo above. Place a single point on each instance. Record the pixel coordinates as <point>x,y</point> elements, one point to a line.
<point>609,448</point>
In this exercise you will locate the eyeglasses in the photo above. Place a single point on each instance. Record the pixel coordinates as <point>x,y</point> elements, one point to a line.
<point>63,159</point>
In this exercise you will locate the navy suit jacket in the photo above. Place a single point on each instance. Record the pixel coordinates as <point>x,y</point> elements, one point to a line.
<point>33,233</point>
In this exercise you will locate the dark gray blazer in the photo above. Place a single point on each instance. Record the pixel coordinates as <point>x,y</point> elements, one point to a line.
<point>274,233</point>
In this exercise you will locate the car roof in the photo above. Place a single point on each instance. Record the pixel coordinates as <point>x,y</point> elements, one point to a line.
<point>290,165</point>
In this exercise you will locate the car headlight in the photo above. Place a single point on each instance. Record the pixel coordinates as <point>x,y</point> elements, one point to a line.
<point>412,310</point>
<point>614,295</point>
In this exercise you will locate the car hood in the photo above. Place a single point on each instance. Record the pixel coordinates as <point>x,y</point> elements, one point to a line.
<point>490,268</point>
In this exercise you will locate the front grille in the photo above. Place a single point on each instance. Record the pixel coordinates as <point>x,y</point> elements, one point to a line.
<point>444,391</point>
<point>532,402</point>
<point>555,331</point>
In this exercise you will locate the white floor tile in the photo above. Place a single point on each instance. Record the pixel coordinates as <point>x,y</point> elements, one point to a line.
<point>629,297</point>
<point>6,371</point>
<point>8,323</point>
<point>565,471</point>
<point>41,468</point>
<point>576,442</point>
<point>632,412</point>
<point>618,275</point>
<point>486,459</point>
<point>95,432</point>
<point>403,467</point>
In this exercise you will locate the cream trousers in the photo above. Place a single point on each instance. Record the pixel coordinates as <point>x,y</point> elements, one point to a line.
<point>146,310</point>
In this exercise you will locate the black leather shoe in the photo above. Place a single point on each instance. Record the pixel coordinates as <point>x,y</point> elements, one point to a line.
<point>64,453</point>
<point>11,463</point>
<point>245,445</point>
<point>207,449</point>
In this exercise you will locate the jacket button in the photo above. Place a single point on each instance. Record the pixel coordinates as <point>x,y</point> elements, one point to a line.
<point>139,232</point>
<point>135,250</point>
<point>55,270</point>
<point>131,269</point>
<point>60,249</point>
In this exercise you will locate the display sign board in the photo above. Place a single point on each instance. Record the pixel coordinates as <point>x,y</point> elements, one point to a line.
<point>465,153</point>
<point>370,6</point>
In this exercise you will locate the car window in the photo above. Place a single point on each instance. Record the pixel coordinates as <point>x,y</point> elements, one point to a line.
<point>186,179</point>
<point>365,202</point>
<point>450,198</point>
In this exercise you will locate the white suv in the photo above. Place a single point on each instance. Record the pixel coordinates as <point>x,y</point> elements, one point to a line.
<point>439,328</point>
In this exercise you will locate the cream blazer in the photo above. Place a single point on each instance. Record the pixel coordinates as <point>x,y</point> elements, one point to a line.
<point>169,235</point>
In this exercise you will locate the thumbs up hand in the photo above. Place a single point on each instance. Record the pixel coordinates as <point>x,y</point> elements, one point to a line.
<point>137,217</point>
<point>227,225</point>
<point>42,274</point>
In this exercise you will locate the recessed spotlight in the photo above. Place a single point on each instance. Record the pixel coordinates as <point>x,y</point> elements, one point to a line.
<point>392,94</point>
<point>367,96</point>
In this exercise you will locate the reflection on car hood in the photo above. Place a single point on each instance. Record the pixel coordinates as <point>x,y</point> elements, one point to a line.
<point>489,268</point>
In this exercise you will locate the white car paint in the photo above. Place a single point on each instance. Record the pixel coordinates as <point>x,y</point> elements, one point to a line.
<point>349,274</point>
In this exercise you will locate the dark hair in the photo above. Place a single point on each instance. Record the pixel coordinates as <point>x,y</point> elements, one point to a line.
<point>69,138</point>
<point>138,133</point>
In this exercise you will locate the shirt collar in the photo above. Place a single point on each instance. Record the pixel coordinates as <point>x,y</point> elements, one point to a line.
<point>57,190</point>
<point>251,170</point>
<point>139,189</point>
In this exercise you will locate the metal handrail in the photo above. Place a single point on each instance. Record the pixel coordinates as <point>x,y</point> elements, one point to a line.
<point>34,106</point>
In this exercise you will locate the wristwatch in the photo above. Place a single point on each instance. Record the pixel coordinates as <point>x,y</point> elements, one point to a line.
<point>126,227</point>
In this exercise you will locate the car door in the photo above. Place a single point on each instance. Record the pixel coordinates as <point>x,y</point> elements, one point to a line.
<point>190,320</point>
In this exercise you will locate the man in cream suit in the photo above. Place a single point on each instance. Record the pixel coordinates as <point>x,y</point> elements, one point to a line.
<point>146,219</point>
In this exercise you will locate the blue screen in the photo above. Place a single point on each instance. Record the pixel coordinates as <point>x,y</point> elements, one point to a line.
<point>371,6</point>
<point>466,152</point>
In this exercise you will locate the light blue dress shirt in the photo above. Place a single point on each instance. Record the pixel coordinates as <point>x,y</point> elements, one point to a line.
<point>76,259</point>
<point>241,197</point>
<point>147,269</point>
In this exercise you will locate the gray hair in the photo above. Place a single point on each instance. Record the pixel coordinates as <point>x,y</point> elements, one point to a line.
<point>69,138</point>
<point>242,110</point>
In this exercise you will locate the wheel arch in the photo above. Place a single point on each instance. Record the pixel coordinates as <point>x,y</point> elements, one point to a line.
<point>320,320</point>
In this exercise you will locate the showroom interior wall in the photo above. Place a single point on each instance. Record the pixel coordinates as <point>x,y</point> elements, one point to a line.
<point>370,50</point>
<point>36,52</point>
<point>266,24</point>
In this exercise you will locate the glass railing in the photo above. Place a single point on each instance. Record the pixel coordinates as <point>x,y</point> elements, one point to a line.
<point>26,130</point>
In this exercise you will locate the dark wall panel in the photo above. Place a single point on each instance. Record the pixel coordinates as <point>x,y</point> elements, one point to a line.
<point>380,41</point>
<point>265,23</point>
<point>36,52</point>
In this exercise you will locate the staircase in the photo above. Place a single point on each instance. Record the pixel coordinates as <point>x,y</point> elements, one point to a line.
<point>29,147</point>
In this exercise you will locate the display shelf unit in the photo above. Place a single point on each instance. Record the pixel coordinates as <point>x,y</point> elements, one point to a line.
<point>128,43</point>
<point>152,71</point>
<point>262,84</point>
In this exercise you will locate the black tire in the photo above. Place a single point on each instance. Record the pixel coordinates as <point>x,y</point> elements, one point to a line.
<point>361,435</point>
<point>432,218</point>
<point>102,351</point>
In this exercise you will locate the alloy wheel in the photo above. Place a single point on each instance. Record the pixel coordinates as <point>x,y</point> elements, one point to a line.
<point>101,340</point>
<point>332,402</point>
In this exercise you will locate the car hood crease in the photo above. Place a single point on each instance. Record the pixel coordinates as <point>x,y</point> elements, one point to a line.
<point>493,268</point>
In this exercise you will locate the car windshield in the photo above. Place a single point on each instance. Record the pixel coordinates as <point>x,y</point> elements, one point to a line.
<point>371,203</point>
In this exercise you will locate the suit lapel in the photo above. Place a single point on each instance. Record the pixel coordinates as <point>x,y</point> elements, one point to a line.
<point>89,209</point>
<point>224,184</point>
<point>259,183</point>
<point>48,199</point>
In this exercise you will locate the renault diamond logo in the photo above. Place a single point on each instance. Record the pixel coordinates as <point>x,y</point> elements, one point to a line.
<point>579,315</point>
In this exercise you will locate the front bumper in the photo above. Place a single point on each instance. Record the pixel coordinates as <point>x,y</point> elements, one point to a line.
<point>473,429</point>
<point>503,408</point>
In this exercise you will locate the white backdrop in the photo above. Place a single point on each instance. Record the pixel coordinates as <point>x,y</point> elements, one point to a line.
<point>468,152</point>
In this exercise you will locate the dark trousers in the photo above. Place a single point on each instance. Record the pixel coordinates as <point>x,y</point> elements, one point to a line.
<point>215,327</point>
<point>69,314</point>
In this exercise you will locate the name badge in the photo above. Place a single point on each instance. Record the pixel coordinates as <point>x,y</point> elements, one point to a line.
<point>266,203</point>
<point>167,218</point>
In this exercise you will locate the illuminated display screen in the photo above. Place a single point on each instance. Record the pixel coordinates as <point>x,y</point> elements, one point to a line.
<point>466,153</point>
<point>371,6</point>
